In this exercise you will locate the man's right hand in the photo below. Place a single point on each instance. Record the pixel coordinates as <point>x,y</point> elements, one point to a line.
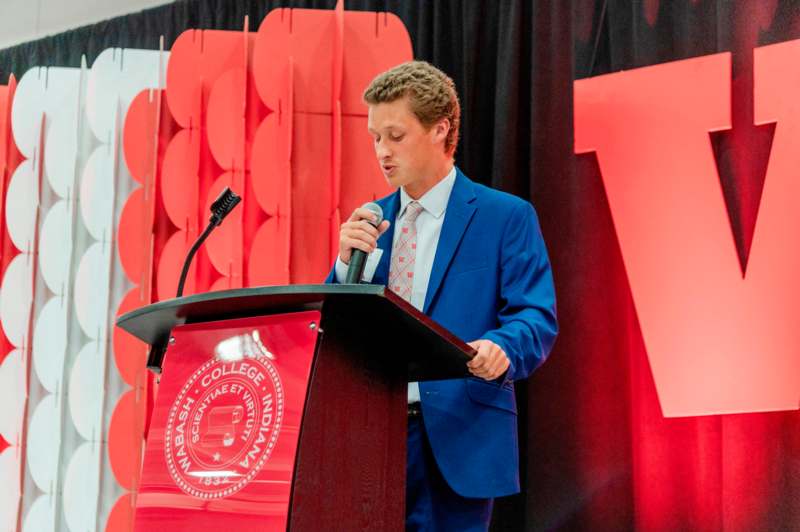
<point>357,233</point>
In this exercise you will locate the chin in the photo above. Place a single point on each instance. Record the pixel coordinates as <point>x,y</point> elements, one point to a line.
<point>395,181</point>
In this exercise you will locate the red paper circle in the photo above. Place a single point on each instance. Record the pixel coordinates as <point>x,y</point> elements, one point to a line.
<point>269,254</point>
<point>296,45</point>
<point>271,58</point>
<point>270,166</point>
<point>224,246</point>
<point>310,250</point>
<point>226,119</point>
<point>197,58</point>
<point>131,235</point>
<point>184,86</point>
<point>125,439</point>
<point>179,182</point>
<point>223,283</point>
<point>370,49</point>
<point>139,140</point>
<point>121,517</point>
<point>169,267</point>
<point>130,353</point>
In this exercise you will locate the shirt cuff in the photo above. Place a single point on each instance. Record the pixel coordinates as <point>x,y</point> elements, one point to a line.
<point>369,268</point>
<point>341,270</point>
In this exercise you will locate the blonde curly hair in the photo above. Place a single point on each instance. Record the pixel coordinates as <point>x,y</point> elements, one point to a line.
<point>431,94</point>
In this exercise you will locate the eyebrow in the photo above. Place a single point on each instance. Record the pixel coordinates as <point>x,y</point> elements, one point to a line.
<point>389,127</point>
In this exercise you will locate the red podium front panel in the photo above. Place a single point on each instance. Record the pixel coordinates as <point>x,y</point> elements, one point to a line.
<point>221,448</point>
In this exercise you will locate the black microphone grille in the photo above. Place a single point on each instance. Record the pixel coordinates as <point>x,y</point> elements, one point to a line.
<point>224,204</point>
<point>375,208</point>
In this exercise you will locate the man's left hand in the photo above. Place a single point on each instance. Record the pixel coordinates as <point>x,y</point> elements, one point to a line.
<point>490,362</point>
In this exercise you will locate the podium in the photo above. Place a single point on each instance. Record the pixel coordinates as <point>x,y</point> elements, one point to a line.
<point>284,408</point>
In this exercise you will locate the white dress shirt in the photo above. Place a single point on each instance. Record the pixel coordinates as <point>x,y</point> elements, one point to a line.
<point>429,227</point>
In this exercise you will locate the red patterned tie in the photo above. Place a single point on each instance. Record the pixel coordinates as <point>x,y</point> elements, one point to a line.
<point>404,253</point>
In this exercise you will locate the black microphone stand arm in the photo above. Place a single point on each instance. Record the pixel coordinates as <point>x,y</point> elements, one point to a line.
<point>223,205</point>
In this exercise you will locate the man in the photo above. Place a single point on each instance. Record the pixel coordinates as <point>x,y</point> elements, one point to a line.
<point>473,259</point>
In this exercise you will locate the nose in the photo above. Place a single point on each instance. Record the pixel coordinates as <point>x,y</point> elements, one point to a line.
<point>382,150</point>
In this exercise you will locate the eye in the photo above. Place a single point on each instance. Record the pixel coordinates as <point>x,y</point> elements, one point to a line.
<point>397,138</point>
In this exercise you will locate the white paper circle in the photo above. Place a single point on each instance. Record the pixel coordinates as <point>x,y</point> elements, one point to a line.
<point>21,202</point>
<point>81,487</point>
<point>50,343</point>
<point>116,77</point>
<point>97,193</point>
<point>16,295</point>
<point>41,515</point>
<point>9,479</point>
<point>44,440</point>
<point>41,90</point>
<point>61,150</point>
<point>62,88</point>
<point>102,93</point>
<point>27,109</point>
<point>86,391</point>
<point>55,247</point>
<point>12,397</point>
<point>91,290</point>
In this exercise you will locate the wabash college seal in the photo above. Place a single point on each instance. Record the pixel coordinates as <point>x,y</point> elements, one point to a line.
<point>223,426</point>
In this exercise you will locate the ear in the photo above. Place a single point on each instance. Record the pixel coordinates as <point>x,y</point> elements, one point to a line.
<point>440,130</point>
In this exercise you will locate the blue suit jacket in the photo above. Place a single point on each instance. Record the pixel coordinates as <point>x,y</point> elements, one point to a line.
<point>490,279</point>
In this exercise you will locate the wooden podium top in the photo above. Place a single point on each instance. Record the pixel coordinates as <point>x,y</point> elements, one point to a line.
<point>368,313</point>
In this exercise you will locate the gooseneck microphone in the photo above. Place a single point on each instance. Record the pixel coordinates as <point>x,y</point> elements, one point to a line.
<point>358,258</point>
<point>221,207</point>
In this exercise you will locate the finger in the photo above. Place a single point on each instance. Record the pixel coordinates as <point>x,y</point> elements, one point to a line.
<point>361,231</point>
<point>483,352</point>
<point>491,366</point>
<point>478,373</point>
<point>482,370</point>
<point>362,214</point>
<point>476,346</point>
<point>358,214</point>
<point>360,225</point>
<point>477,361</point>
<point>383,226</point>
<point>498,367</point>
<point>358,234</point>
<point>354,243</point>
<point>487,375</point>
<point>496,358</point>
<point>503,367</point>
<point>486,349</point>
<point>473,345</point>
<point>493,352</point>
<point>368,227</point>
<point>496,361</point>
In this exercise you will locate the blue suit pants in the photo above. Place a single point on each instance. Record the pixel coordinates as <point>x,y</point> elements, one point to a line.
<point>431,504</point>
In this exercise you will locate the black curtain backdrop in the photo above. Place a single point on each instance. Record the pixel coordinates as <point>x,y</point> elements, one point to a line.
<point>588,413</point>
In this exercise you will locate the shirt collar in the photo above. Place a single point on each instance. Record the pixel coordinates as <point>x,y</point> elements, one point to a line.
<point>435,200</point>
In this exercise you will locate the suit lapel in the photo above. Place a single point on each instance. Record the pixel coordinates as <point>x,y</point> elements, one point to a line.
<point>460,209</point>
<point>390,209</point>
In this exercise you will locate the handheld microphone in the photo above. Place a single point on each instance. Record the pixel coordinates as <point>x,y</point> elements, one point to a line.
<point>221,207</point>
<point>358,258</point>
